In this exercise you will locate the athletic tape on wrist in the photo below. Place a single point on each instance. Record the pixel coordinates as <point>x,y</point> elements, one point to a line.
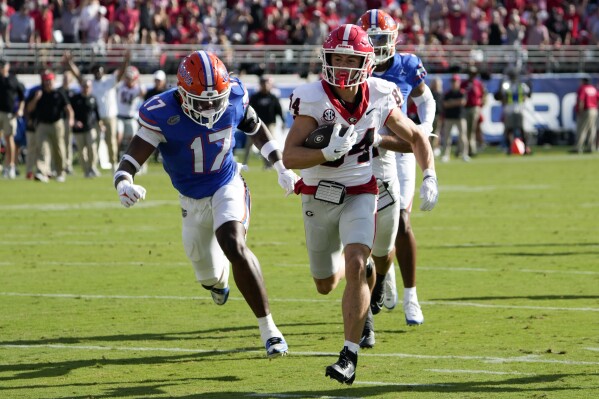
<point>122,173</point>
<point>279,167</point>
<point>269,147</point>
<point>132,161</point>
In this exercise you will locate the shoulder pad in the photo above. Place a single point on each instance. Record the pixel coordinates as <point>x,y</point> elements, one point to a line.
<point>381,85</point>
<point>309,92</point>
<point>237,87</point>
<point>409,57</point>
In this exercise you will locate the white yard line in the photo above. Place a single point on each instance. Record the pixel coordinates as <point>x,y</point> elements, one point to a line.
<point>304,265</point>
<point>484,359</point>
<point>592,349</point>
<point>399,384</point>
<point>458,371</point>
<point>299,300</point>
<point>83,206</point>
<point>300,396</point>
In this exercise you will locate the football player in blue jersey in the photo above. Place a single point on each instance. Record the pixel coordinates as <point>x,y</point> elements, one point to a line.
<point>193,127</point>
<point>408,73</point>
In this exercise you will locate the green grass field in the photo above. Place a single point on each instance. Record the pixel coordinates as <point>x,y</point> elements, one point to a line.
<point>99,301</point>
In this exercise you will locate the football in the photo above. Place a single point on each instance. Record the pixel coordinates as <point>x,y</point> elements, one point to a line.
<point>320,137</point>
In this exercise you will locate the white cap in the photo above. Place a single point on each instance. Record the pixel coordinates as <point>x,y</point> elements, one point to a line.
<point>102,10</point>
<point>160,75</point>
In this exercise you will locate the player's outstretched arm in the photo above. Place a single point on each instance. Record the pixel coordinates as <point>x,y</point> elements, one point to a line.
<point>405,128</point>
<point>137,153</point>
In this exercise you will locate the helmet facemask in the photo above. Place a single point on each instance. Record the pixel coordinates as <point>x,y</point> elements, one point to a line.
<point>382,31</point>
<point>207,108</point>
<point>383,43</point>
<point>343,76</point>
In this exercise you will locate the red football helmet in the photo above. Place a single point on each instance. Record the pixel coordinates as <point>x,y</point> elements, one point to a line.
<point>204,85</point>
<point>347,40</point>
<point>382,30</point>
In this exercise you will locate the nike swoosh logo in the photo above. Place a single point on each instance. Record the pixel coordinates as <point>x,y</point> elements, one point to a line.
<point>369,111</point>
<point>337,151</point>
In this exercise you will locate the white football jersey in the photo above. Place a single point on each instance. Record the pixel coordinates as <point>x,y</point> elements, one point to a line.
<point>384,165</point>
<point>128,100</point>
<point>379,98</point>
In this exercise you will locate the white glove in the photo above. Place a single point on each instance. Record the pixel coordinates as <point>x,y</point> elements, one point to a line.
<point>427,129</point>
<point>377,140</point>
<point>287,178</point>
<point>130,193</point>
<point>429,191</point>
<point>338,146</point>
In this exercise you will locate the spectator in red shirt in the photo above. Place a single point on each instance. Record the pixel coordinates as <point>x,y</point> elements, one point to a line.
<point>276,34</point>
<point>475,98</point>
<point>586,116</point>
<point>330,17</point>
<point>7,8</point>
<point>126,20</point>
<point>572,19</point>
<point>457,19</point>
<point>44,21</point>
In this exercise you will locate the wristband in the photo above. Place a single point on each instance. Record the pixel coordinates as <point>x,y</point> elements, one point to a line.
<point>132,161</point>
<point>269,147</point>
<point>121,173</point>
<point>429,173</point>
<point>280,168</point>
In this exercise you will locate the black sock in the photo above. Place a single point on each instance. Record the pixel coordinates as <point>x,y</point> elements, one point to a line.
<point>369,269</point>
<point>369,324</point>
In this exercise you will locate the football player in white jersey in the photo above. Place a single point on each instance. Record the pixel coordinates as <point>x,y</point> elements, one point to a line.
<point>339,191</point>
<point>407,72</point>
<point>130,94</point>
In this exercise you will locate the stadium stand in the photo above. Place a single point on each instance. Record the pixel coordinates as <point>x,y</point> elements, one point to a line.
<point>280,36</point>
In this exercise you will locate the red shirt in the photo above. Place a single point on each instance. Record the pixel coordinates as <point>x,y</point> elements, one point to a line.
<point>44,21</point>
<point>586,96</point>
<point>474,92</point>
<point>128,19</point>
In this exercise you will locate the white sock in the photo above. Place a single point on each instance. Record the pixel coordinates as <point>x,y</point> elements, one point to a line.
<point>353,347</point>
<point>268,328</point>
<point>410,294</point>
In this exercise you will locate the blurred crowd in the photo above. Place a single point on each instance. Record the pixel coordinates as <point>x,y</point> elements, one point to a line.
<point>295,22</point>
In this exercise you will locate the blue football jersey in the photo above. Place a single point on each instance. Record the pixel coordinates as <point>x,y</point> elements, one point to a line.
<point>407,72</point>
<point>199,160</point>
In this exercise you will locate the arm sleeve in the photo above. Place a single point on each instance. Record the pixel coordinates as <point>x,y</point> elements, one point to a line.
<point>152,137</point>
<point>426,107</point>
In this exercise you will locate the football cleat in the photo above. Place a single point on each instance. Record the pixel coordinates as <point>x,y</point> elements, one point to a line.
<point>275,347</point>
<point>377,298</point>
<point>344,370</point>
<point>367,340</point>
<point>413,313</point>
<point>390,289</point>
<point>219,295</point>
